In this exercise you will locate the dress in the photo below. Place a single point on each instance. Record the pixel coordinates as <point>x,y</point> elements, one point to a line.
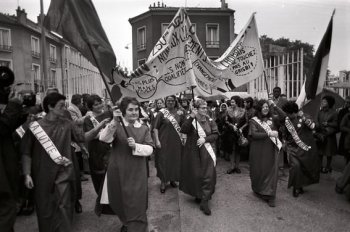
<point>327,147</point>
<point>263,166</point>
<point>98,153</point>
<point>127,176</point>
<point>54,184</point>
<point>198,174</point>
<point>168,157</point>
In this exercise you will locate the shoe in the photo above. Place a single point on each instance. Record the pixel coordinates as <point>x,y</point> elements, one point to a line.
<point>173,184</point>
<point>230,171</point>
<point>205,208</point>
<point>271,202</point>
<point>83,178</point>
<point>124,228</point>
<point>77,207</point>
<point>338,190</point>
<point>296,192</point>
<point>238,170</point>
<point>197,200</point>
<point>324,170</point>
<point>162,187</point>
<point>329,170</point>
<point>301,190</point>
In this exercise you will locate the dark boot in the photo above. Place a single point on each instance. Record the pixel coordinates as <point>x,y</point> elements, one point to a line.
<point>205,207</point>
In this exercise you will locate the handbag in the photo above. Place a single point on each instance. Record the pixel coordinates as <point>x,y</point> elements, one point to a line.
<point>242,141</point>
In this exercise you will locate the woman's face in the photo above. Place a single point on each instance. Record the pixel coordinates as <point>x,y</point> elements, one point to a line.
<point>233,103</point>
<point>202,109</point>
<point>265,109</point>
<point>132,113</point>
<point>324,103</point>
<point>223,107</point>
<point>160,104</point>
<point>170,102</point>
<point>97,107</point>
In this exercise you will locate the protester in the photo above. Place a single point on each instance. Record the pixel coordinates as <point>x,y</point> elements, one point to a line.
<point>47,164</point>
<point>342,183</point>
<point>220,122</point>
<point>345,130</point>
<point>235,121</point>
<point>98,151</point>
<point>263,154</point>
<point>327,122</point>
<point>198,174</point>
<point>301,148</point>
<point>11,117</point>
<point>125,185</point>
<point>168,141</point>
<point>341,113</point>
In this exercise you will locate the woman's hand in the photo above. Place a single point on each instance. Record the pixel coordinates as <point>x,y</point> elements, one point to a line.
<point>273,134</point>
<point>158,145</point>
<point>194,112</point>
<point>200,141</point>
<point>28,181</point>
<point>132,143</point>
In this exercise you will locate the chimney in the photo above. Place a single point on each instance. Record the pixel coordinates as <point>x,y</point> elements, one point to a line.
<point>21,15</point>
<point>223,4</point>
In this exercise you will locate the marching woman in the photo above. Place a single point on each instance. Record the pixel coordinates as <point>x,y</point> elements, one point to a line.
<point>198,174</point>
<point>98,151</point>
<point>125,183</point>
<point>301,148</point>
<point>263,153</point>
<point>168,141</point>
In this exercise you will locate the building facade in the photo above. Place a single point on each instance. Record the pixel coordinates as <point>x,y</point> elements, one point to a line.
<point>67,69</point>
<point>214,28</point>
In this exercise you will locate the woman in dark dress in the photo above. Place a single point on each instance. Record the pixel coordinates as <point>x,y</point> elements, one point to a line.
<point>125,183</point>
<point>326,127</point>
<point>168,141</point>
<point>301,148</point>
<point>263,153</point>
<point>98,151</point>
<point>198,174</point>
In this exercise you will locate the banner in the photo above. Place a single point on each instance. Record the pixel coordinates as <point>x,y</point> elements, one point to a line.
<point>179,61</point>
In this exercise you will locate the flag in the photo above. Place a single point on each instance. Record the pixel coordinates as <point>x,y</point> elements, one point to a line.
<point>79,24</point>
<point>316,77</point>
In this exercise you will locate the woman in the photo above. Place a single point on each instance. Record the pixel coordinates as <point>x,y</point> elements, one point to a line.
<point>235,121</point>
<point>263,153</point>
<point>326,127</point>
<point>198,175</point>
<point>300,147</point>
<point>98,151</point>
<point>168,141</point>
<point>220,122</point>
<point>125,184</point>
<point>159,104</point>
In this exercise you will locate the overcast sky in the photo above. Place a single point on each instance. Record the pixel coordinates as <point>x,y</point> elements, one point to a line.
<point>304,20</point>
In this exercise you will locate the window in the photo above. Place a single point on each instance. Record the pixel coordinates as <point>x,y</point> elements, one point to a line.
<point>35,47</point>
<point>66,53</point>
<point>141,38</point>
<point>36,77</point>
<point>164,26</point>
<point>212,31</point>
<point>141,62</point>
<point>5,39</point>
<point>52,78</point>
<point>6,63</point>
<point>53,57</point>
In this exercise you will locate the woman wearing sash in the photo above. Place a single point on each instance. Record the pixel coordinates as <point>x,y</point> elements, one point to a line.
<point>125,184</point>
<point>263,153</point>
<point>168,141</point>
<point>301,148</point>
<point>98,151</point>
<point>198,174</point>
<point>47,157</point>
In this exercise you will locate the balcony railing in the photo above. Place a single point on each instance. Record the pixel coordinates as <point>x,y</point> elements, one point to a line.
<point>212,44</point>
<point>36,54</point>
<point>141,47</point>
<point>52,59</point>
<point>5,48</point>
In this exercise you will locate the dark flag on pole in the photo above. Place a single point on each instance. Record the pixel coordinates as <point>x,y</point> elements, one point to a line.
<point>316,78</point>
<point>77,21</point>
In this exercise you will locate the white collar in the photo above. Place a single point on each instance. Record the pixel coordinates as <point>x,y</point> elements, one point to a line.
<point>136,124</point>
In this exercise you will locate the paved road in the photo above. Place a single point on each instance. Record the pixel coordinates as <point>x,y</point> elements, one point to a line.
<point>234,208</point>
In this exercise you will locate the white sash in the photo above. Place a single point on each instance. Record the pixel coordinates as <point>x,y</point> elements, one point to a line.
<point>208,146</point>
<point>173,121</point>
<point>290,127</point>
<point>267,129</point>
<point>48,145</point>
<point>20,131</point>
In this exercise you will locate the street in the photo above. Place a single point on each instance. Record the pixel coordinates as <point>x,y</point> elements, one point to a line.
<point>234,208</point>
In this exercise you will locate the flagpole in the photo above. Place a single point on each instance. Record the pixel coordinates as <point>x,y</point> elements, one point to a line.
<point>267,86</point>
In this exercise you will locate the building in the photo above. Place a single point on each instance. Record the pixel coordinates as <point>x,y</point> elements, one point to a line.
<point>67,69</point>
<point>342,87</point>
<point>214,28</point>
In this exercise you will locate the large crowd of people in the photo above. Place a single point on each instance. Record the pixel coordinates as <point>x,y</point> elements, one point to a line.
<point>47,149</point>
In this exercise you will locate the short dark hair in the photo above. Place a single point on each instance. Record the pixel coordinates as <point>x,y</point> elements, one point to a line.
<point>330,100</point>
<point>258,108</point>
<point>238,100</point>
<point>76,99</point>
<point>249,100</point>
<point>277,87</point>
<point>125,102</point>
<point>51,100</point>
<point>175,99</point>
<point>90,101</point>
<point>290,107</point>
